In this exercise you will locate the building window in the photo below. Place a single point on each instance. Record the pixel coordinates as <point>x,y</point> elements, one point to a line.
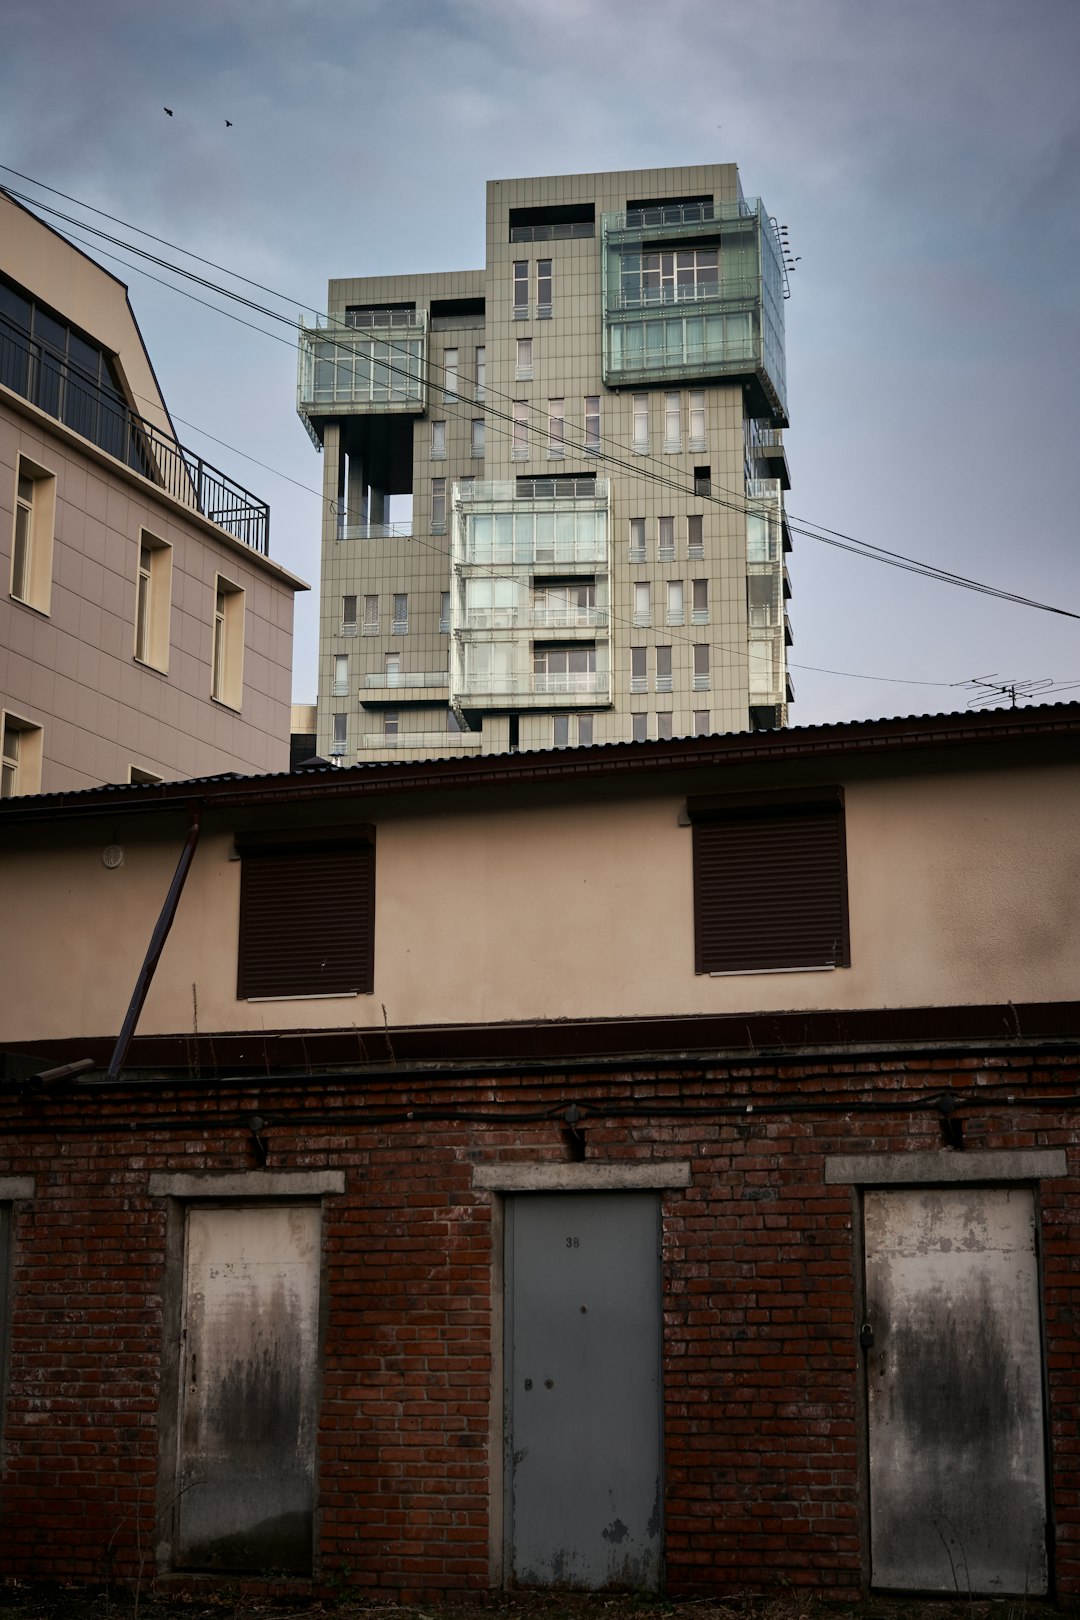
<point>348,614</point>
<point>637,539</point>
<point>560,731</point>
<point>450,374</point>
<point>140,778</point>
<point>390,723</point>
<point>20,764</point>
<point>32,540</point>
<point>701,666</point>
<point>400,624</point>
<point>444,613</point>
<point>523,363</point>
<point>592,424</point>
<point>481,372</point>
<point>673,276</point>
<point>641,424</point>
<point>676,612</point>
<point>640,724</point>
<point>371,615</point>
<point>663,727</point>
<point>639,671</point>
<point>521,289</point>
<point>438,506</point>
<point>543,289</point>
<point>340,687</point>
<point>153,591</point>
<point>227,656</point>
<point>392,669</point>
<point>584,730</point>
<point>476,437</point>
<point>701,723</point>
<point>520,447</point>
<point>697,419</point>
<point>340,735</point>
<point>770,882</point>
<point>663,669</point>
<point>700,610</point>
<point>672,422</point>
<point>564,669</point>
<point>556,427</point>
<point>702,480</point>
<point>438,441</point>
<point>695,544</point>
<point>642,604</point>
<point>665,539</point>
<point>307,914</point>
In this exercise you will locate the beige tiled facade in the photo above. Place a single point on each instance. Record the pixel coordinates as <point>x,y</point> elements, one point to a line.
<point>109,666</point>
<point>536,642</point>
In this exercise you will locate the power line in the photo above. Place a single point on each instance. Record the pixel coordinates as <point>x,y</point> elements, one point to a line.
<point>637,466</point>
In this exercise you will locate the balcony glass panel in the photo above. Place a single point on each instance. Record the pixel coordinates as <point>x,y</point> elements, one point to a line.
<point>353,368</point>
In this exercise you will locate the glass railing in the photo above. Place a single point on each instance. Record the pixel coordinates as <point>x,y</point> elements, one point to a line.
<point>391,678</point>
<point>342,367</point>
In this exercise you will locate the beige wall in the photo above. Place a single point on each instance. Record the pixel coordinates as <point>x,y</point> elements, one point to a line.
<point>962,890</point>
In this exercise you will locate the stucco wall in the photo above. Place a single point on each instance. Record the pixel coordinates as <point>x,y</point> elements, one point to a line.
<point>961,892</point>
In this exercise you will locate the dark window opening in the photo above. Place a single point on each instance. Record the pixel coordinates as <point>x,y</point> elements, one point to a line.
<point>770,882</point>
<point>557,222</point>
<point>702,480</point>
<point>448,312</point>
<point>307,913</point>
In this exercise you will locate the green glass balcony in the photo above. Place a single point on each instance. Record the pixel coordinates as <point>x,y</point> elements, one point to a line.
<point>375,369</point>
<point>695,292</point>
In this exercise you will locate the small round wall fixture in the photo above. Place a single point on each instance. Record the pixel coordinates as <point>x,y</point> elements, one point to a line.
<point>112,856</point>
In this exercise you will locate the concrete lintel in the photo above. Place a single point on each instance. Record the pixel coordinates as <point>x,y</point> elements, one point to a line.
<point>12,1187</point>
<point>248,1184</point>
<point>915,1169</point>
<point>620,1176</point>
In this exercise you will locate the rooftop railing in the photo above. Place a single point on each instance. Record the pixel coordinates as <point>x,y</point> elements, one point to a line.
<point>57,387</point>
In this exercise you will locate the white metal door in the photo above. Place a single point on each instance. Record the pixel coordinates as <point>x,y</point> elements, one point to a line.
<point>954,1391</point>
<point>248,1389</point>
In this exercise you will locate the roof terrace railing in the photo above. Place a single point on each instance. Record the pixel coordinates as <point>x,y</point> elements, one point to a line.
<point>57,387</point>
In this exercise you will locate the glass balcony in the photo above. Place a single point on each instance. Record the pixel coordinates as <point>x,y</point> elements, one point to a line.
<point>695,291</point>
<point>348,370</point>
<point>375,531</point>
<point>527,527</point>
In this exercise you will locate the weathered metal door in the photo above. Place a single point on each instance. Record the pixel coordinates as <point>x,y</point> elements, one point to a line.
<point>583,1418</point>
<point>954,1391</point>
<point>249,1378</point>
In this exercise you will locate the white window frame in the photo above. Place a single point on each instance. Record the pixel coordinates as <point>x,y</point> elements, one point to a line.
<point>676,602</point>
<point>227,647</point>
<point>545,283</point>
<point>438,441</point>
<point>637,539</point>
<point>520,289</point>
<point>664,679</point>
<point>699,611</point>
<point>339,738</point>
<point>592,424</point>
<point>520,445</point>
<point>371,615</point>
<point>701,666</point>
<point>20,753</point>
<point>697,438</point>
<point>476,438</point>
<point>153,602</point>
<point>480,372</point>
<point>639,724</point>
<point>399,625</point>
<point>556,429</point>
<point>639,669</point>
<point>438,506</point>
<point>523,359</point>
<point>642,603</point>
<point>32,535</point>
<point>339,684</point>
<point>348,625</point>
<point>665,539</point>
<point>672,423</point>
<point>695,547</point>
<point>451,381</point>
<point>640,409</point>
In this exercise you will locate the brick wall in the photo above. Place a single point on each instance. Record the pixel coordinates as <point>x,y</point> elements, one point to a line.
<point>764,1477</point>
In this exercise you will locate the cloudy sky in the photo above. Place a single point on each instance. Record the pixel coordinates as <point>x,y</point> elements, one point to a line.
<point>924,155</point>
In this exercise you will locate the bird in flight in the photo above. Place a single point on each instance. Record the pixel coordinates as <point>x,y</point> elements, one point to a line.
<point>228,123</point>
<point>168,110</point>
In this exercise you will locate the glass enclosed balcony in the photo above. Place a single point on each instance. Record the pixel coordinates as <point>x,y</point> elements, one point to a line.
<point>522,526</point>
<point>376,368</point>
<point>695,292</point>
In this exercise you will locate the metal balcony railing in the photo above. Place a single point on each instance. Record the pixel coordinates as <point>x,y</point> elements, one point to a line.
<point>57,387</point>
<point>375,531</point>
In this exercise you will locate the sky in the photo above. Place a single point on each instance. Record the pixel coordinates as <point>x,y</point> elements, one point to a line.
<point>923,154</point>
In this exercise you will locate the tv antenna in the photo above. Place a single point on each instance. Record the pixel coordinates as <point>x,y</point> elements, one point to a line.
<point>995,689</point>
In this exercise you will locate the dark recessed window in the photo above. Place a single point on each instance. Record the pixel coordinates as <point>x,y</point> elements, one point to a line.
<point>307,913</point>
<point>770,882</point>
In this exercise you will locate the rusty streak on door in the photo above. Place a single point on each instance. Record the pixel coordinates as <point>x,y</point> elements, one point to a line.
<point>954,1391</point>
<point>583,1417</point>
<point>249,1377</point>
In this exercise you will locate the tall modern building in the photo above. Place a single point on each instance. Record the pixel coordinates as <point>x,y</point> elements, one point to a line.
<point>553,487</point>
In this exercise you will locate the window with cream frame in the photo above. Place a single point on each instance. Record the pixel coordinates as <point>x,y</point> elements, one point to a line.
<point>20,756</point>
<point>227,654</point>
<point>153,602</point>
<point>32,534</point>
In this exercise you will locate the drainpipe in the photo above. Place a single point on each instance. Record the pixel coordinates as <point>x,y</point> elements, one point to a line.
<point>154,949</point>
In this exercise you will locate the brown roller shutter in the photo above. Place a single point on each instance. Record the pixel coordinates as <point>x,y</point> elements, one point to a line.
<point>770,887</point>
<point>307,920</point>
